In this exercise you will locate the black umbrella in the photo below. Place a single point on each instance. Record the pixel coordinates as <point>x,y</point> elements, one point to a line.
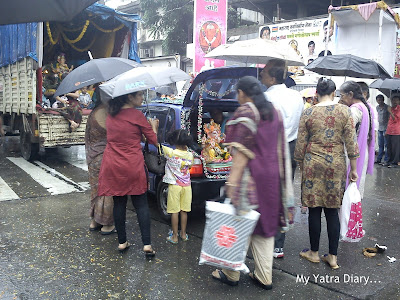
<point>347,65</point>
<point>386,86</point>
<point>23,11</point>
<point>94,71</point>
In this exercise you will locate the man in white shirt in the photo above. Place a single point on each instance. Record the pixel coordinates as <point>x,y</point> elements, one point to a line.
<point>290,104</point>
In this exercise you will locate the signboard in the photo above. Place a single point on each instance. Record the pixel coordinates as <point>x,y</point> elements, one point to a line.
<point>307,37</point>
<point>209,31</point>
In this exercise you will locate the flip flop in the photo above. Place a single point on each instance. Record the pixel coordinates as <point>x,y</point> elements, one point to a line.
<point>325,259</point>
<point>124,249</point>
<point>169,239</point>
<point>258,282</point>
<point>98,227</point>
<point>222,277</point>
<point>304,255</point>
<point>184,239</point>
<point>108,232</point>
<point>150,254</point>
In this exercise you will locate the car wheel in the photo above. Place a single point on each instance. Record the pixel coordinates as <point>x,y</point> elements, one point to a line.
<point>162,196</point>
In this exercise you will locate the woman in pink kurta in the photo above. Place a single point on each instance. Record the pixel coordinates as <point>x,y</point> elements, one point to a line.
<point>122,170</point>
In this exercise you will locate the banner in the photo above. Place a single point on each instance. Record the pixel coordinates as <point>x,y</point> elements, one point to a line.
<point>307,38</point>
<point>209,31</point>
<point>397,56</point>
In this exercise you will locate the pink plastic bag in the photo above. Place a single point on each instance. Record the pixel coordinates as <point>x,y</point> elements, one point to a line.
<point>351,223</point>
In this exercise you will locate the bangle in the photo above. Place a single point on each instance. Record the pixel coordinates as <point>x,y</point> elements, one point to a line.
<point>231,184</point>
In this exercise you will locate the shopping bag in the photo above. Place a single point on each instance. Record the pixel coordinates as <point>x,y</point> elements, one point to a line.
<point>351,223</point>
<point>226,236</point>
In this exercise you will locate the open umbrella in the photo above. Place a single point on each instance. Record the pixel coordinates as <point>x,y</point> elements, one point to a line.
<point>256,51</point>
<point>386,86</point>
<point>22,11</point>
<point>140,79</point>
<point>94,71</point>
<point>347,65</point>
<point>308,92</point>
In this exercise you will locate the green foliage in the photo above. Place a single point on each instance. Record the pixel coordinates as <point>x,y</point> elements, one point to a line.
<point>170,19</point>
<point>173,20</point>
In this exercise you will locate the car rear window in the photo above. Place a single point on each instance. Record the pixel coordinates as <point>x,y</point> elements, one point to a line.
<point>217,89</point>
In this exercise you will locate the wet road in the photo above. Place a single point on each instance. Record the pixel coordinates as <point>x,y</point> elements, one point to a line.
<point>46,251</point>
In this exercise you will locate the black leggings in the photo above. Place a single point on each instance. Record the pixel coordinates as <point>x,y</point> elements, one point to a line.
<point>333,226</point>
<point>142,212</point>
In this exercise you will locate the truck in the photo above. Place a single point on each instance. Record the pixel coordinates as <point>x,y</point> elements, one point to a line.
<point>28,51</point>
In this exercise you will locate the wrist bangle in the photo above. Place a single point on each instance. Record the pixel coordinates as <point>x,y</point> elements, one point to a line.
<point>231,184</point>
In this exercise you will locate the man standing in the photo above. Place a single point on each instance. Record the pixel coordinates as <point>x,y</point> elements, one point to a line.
<point>290,104</point>
<point>383,118</point>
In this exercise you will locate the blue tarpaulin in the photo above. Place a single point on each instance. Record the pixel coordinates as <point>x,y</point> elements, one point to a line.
<point>129,20</point>
<point>18,41</point>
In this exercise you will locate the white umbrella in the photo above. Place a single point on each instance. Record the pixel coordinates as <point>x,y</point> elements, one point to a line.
<point>256,51</point>
<point>140,79</point>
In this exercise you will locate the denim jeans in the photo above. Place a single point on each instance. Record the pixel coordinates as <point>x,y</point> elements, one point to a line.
<point>382,142</point>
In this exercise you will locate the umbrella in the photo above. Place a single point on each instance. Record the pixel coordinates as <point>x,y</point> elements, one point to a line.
<point>256,51</point>
<point>140,79</point>
<point>308,92</point>
<point>165,90</point>
<point>386,86</point>
<point>23,11</point>
<point>347,65</point>
<point>94,71</point>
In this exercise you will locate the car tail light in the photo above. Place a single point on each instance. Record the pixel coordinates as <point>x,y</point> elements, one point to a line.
<point>197,168</point>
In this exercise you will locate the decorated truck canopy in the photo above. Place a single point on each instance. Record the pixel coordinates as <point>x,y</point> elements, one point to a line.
<point>367,30</point>
<point>100,29</point>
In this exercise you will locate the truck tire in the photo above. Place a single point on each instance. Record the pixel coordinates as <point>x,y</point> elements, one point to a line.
<point>29,150</point>
<point>162,195</point>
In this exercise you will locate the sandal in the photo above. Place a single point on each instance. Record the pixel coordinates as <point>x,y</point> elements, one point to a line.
<point>325,259</point>
<point>108,232</point>
<point>184,239</point>
<point>258,282</point>
<point>150,253</point>
<point>98,227</point>
<point>169,239</point>
<point>222,277</point>
<point>122,250</point>
<point>303,254</point>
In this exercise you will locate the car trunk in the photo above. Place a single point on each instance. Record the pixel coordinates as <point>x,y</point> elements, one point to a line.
<point>208,104</point>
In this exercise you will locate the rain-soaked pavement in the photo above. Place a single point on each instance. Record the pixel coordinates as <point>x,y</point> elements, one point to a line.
<point>47,252</point>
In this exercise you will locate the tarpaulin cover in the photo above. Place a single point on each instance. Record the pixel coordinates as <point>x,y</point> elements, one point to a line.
<point>129,20</point>
<point>17,42</point>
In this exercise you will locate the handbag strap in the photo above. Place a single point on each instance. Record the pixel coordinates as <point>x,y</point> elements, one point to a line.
<point>146,146</point>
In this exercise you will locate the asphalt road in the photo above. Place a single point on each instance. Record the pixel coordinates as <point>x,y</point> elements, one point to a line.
<point>47,252</point>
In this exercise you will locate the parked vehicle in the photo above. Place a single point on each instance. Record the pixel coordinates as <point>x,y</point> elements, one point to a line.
<point>212,89</point>
<point>29,50</point>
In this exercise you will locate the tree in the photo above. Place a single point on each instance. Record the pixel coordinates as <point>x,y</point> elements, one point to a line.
<point>170,19</point>
<point>173,20</point>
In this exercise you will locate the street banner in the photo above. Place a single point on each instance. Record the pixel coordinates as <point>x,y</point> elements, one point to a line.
<point>209,31</point>
<point>397,55</point>
<point>307,37</point>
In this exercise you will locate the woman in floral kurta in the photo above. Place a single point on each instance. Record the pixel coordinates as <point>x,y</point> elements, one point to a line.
<point>324,129</point>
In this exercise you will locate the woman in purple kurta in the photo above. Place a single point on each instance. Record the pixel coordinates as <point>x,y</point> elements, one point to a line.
<point>256,137</point>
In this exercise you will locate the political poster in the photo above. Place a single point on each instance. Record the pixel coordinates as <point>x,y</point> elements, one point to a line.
<point>210,27</point>
<point>306,37</point>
